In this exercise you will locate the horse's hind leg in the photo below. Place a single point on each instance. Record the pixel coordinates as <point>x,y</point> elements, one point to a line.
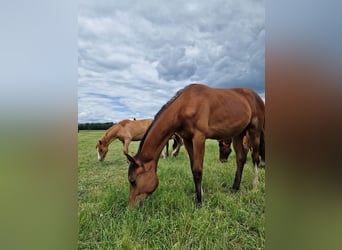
<point>241,156</point>
<point>262,149</point>
<point>177,143</point>
<point>254,136</point>
<point>165,153</point>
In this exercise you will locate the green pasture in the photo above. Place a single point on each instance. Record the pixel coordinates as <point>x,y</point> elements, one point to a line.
<point>168,219</point>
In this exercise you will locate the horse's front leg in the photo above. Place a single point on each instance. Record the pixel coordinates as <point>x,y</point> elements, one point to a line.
<point>166,154</point>
<point>190,149</point>
<point>255,139</point>
<point>126,143</point>
<point>197,166</point>
<point>241,156</point>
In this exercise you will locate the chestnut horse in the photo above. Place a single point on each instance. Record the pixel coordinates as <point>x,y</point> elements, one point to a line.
<point>126,131</point>
<point>198,112</point>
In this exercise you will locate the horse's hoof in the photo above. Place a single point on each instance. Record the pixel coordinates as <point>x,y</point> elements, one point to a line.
<point>198,204</point>
<point>233,190</point>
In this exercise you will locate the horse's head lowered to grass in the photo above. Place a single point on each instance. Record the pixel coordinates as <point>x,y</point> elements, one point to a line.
<point>102,150</point>
<point>224,149</point>
<point>142,178</point>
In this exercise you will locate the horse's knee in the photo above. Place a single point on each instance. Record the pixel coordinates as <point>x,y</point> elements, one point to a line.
<point>241,160</point>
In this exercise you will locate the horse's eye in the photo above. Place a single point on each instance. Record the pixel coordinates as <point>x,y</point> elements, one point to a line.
<point>133,182</point>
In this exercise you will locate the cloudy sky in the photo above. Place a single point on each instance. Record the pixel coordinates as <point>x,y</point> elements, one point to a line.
<point>135,55</point>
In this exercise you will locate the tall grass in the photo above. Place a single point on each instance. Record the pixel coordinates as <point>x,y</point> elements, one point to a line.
<point>168,219</point>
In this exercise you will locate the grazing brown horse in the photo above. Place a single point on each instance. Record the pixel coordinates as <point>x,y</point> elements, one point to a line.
<point>198,112</point>
<point>225,150</point>
<point>126,131</point>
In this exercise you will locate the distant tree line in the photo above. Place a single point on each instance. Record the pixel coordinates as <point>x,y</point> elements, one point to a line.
<point>95,126</point>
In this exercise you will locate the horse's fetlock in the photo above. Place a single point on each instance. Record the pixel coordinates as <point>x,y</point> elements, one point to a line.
<point>197,174</point>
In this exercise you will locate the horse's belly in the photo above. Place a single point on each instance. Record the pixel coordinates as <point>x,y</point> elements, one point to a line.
<point>222,124</point>
<point>222,133</point>
<point>137,138</point>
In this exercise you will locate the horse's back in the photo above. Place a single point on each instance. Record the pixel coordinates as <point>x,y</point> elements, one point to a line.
<point>223,100</point>
<point>136,129</point>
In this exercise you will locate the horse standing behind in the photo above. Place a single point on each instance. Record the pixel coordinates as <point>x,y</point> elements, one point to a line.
<point>225,150</point>
<point>196,113</point>
<point>126,131</point>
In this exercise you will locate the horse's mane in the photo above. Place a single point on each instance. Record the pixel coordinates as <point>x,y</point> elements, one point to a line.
<point>106,134</point>
<point>165,106</point>
<point>122,123</point>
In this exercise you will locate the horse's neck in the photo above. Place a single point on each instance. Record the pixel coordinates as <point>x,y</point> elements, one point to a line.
<point>110,135</point>
<point>160,132</point>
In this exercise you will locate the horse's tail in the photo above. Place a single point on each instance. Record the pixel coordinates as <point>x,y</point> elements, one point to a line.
<point>262,147</point>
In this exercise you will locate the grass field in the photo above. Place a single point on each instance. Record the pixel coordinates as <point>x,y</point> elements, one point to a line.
<point>168,219</point>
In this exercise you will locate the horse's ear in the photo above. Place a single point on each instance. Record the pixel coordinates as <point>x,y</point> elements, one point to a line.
<point>131,159</point>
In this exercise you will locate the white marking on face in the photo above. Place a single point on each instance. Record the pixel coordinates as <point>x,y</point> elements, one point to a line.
<point>98,155</point>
